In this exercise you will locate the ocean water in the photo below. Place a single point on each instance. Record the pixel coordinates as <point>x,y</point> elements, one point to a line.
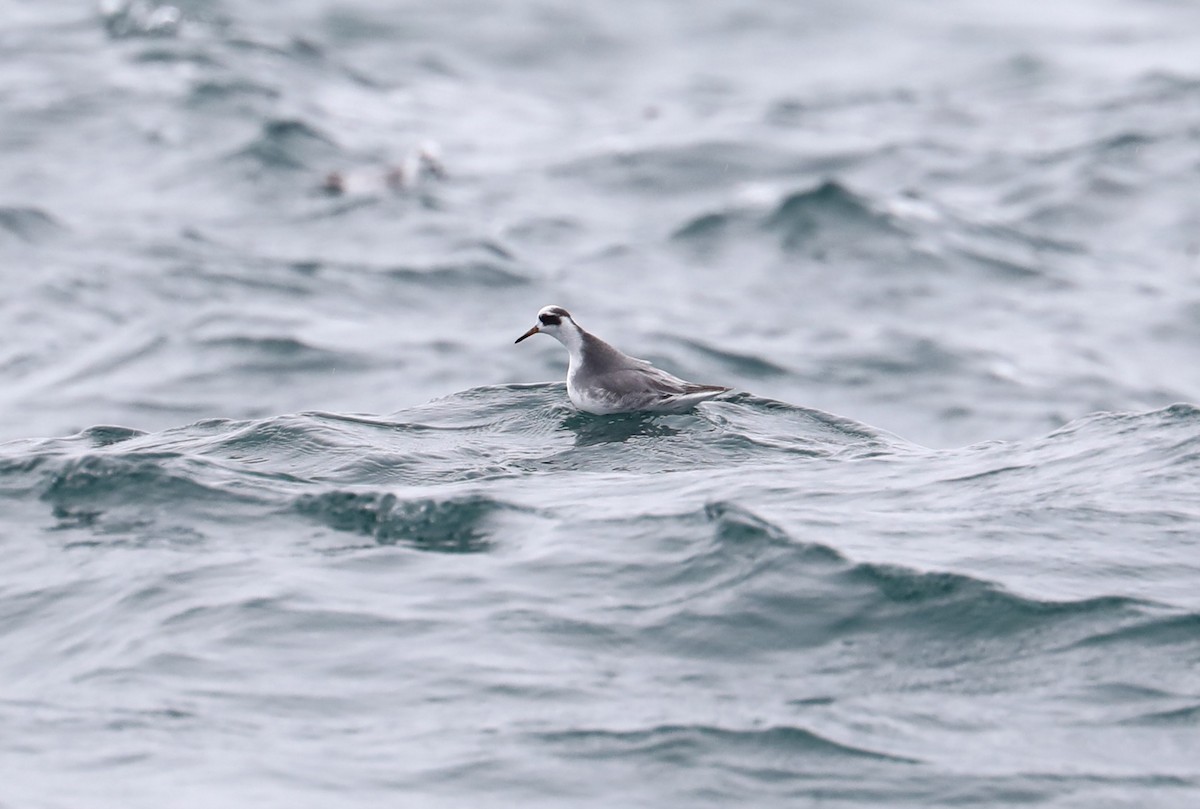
<point>287,520</point>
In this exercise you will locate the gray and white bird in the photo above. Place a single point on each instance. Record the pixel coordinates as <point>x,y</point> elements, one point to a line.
<point>602,380</point>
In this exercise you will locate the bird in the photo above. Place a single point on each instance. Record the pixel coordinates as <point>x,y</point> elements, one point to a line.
<point>601,380</point>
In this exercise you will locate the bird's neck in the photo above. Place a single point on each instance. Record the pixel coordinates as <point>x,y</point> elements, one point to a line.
<point>571,336</point>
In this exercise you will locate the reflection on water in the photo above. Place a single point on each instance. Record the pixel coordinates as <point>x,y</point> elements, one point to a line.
<point>616,429</point>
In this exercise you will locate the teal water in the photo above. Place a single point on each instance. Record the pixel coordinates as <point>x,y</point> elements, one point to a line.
<point>492,597</point>
<point>288,520</point>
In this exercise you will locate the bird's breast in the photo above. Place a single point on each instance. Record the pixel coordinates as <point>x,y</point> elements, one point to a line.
<point>590,400</point>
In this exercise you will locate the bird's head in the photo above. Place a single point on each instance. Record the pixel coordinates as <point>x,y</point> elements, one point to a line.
<point>552,320</point>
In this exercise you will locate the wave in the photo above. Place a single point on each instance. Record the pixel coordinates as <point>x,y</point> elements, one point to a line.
<point>459,473</point>
<point>1163,630</point>
<point>531,428</point>
<point>753,590</point>
<point>289,144</point>
<point>861,229</point>
<point>830,208</point>
<point>690,741</point>
<point>275,355</point>
<point>745,365</point>
<point>29,224</point>
<point>483,265</point>
<point>680,168</point>
<point>826,219</point>
<point>453,525</point>
<point>138,495</point>
<point>1185,717</point>
<point>104,435</point>
<point>487,274</point>
<point>216,92</point>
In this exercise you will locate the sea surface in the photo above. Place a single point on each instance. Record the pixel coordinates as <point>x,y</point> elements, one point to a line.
<point>287,520</point>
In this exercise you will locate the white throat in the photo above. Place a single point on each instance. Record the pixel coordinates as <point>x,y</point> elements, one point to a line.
<point>571,336</point>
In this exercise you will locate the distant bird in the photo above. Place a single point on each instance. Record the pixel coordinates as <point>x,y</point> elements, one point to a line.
<point>602,380</point>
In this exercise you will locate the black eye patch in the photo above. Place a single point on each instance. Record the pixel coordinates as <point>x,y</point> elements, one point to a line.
<point>550,320</point>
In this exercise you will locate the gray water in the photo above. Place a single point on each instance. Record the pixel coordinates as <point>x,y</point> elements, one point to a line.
<point>287,520</point>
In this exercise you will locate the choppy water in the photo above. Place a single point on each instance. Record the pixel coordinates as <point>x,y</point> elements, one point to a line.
<point>287,520</point>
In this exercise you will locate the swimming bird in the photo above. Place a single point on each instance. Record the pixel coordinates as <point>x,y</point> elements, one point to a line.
<point>602,380</point>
